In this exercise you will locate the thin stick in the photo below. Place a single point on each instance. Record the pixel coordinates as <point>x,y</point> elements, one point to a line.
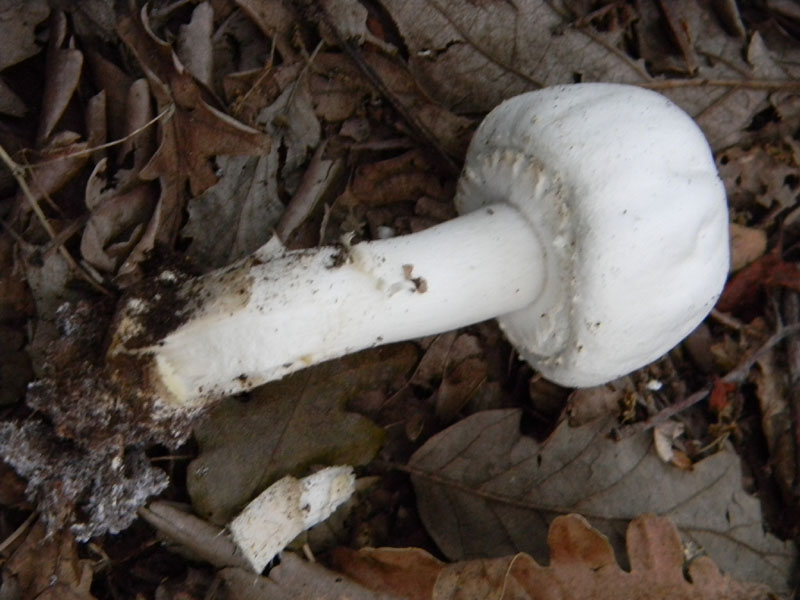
<point>737,375</point>
<point>19,174</point>
<point>18,531</point>
<point>166,112</point>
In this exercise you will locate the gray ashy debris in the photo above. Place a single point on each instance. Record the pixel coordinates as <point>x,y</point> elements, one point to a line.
<point>105,488</point>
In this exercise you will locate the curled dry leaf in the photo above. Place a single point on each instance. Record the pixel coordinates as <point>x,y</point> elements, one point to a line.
<point>582,566</point>
<point>63,72</point>
<point>484,489</point>
<point>196,131</point>
<point>773,391</point>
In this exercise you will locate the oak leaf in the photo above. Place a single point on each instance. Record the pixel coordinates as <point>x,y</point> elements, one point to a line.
<point>582,566</point>
<point>195,132</point>
<point>484,489</point>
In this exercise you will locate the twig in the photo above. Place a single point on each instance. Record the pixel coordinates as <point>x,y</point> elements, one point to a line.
<point>19,174</point>
<point>737,375</point>
<point>727,320</point>
<point>91,150</point>
<point>661,416</point>
<point>18,531</point>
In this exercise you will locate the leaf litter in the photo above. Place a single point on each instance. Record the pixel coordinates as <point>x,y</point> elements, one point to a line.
<point>192,126</point>
<point>485,490</point>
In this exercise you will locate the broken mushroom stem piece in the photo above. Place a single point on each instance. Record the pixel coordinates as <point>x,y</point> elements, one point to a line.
<point>594,228</point>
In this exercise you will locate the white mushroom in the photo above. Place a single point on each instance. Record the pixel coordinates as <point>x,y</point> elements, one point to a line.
<point>594,228</point>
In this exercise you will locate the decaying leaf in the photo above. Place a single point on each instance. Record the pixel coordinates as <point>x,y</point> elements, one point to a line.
<point>18,20</point>
<point>471,56</point>
<point>763,173</point>
<point>484,489</point>
<point>196,131</point>
<point>238,214</point>
<point>64,66</point>
<point>295,578</point>
<point>287,427</point>
<point>582,566</point>
<point>47,568</point>
<point>774,400</point>
<point>744,288</point>
<point>748,244</point>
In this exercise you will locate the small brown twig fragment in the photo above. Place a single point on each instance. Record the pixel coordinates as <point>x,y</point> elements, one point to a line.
<point>736,375</point>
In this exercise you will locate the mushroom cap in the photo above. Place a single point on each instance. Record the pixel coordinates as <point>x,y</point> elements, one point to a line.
<point>621,188</point>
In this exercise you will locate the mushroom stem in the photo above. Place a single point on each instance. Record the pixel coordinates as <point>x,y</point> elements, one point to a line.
<point>280,311</point>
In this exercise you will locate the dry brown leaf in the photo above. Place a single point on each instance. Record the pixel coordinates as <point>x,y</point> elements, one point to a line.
<point>239,46</point>
<point>56,165</point>
<point>774,401</point>
<point>471,56</point>
<point>582,566</point>
<point>748,244</point>
<point>292,123</point>
<point>295,578</point>
<point>237,215</point>
<point>62,75</point>
<point>762,174</point>
<point>194,46</point>
<point>587,404</point>
<point>195,132</point>
<point>387,570</point>
<point>319,180</point>
<point>122,207</point>
<point>277,20</point>
<point>116,227</point>
<point>484,489</point>
<point>18,21</point>
<point>406,177</point>
<point>117,86</point>
<point>48,568</point>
